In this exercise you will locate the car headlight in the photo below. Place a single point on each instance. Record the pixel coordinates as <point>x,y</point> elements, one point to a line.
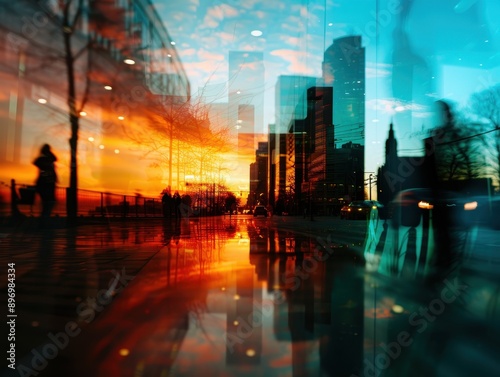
<point>425,205</point>
<point>471,206</point>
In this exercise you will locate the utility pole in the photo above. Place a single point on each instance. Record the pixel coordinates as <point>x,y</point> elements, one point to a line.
<point>370,185</point>
<point>371,176</point>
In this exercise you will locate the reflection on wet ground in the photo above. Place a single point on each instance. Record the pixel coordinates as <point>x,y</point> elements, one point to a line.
<point>249,297</point>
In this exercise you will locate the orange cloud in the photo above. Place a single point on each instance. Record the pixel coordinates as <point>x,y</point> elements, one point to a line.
<point>292,41</point>
<point>218,13</point>
<point>298,61</point>
<point>207,55</point>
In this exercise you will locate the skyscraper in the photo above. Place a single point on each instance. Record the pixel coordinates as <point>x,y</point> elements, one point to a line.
<point>291,99</point>
<point>290,104</point>
<point>344,69</point>
<point>246,86</point>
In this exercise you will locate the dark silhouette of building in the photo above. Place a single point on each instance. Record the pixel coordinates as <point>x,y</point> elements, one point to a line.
<point>296,163</point>
<point>258,176</point>
<point>290,104</point>
<point>323,173</point>
<point>399,172</point>
<point>271,170</point>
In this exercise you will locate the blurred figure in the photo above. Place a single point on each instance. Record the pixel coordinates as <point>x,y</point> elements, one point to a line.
<point>270,210</point>
<point>166,201</point>
<point>46,181</point>
<point>177,202</point>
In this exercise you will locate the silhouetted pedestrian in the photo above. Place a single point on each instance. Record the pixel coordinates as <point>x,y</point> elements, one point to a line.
<point>177,203</point>
<point>46,181</point>
<point>166,201</point>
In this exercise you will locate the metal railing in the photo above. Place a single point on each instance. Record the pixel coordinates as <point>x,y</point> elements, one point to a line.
<point>24,200</point>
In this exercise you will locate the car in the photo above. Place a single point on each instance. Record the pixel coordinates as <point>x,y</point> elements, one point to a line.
<point>409,206</point>
<point>260,211</point>
<point>358,209</point>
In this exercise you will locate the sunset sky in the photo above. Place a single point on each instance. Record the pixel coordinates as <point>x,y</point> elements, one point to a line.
<point>416,52</point>
<point>451,39</point>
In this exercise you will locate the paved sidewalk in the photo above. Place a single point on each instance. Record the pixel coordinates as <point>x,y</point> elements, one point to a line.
<point>72,279</point>
<point>60,272</point>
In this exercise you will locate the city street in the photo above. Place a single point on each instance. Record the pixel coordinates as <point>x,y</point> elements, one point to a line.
<point>250,188</point>
<point>239,296</point>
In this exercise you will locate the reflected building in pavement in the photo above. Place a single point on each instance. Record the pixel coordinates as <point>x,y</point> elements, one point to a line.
<point>244,318</point>
<point>318,306</point>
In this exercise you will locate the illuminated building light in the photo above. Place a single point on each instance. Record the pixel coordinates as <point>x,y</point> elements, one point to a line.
<point>236,297</point>
<point>250,352</point>
<point>236,323</point>
<point>117,151</point>
<point>83,113</point>
<point>121,117</point>
<point>107,87</point>
<point>91,138</point>
<point>129,61</point>
<point>101,146</point>
<point>42,100</point>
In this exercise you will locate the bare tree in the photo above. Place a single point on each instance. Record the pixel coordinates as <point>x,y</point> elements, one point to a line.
<point>71,16</point>
<point>486,105</point>
<point>458,156</point>
<point>181,129</point>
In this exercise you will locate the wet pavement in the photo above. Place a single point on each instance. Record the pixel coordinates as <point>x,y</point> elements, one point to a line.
<point>258,297</point>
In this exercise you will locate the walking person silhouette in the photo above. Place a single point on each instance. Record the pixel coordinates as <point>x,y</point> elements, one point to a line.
<point>46,181</point>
